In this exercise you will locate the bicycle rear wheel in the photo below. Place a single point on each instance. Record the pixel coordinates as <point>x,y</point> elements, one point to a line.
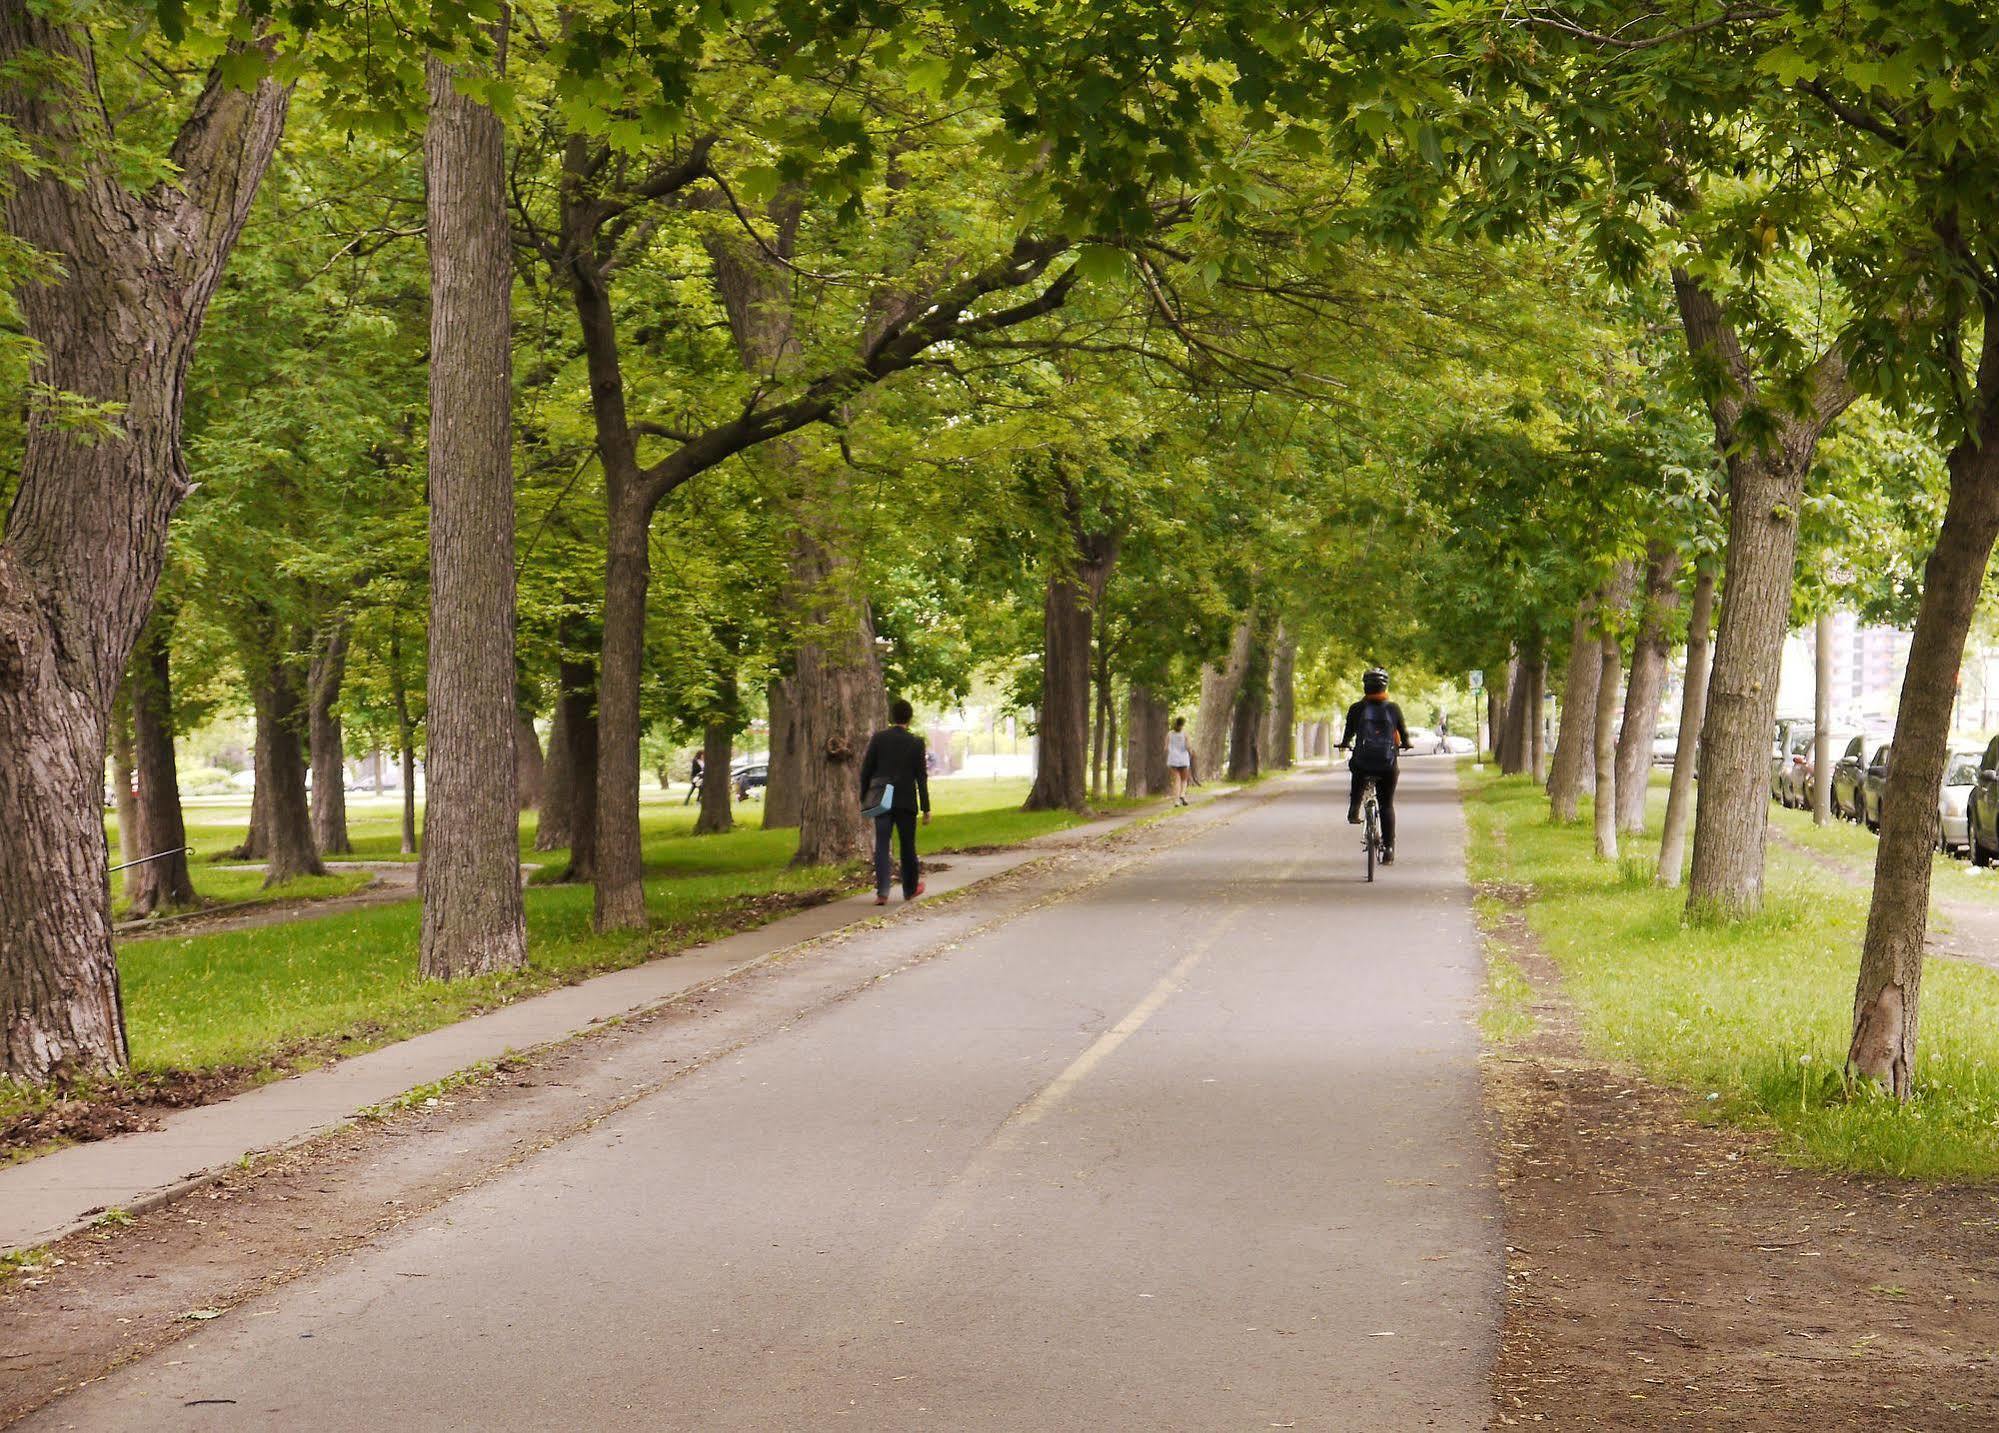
<point>1373,841</point>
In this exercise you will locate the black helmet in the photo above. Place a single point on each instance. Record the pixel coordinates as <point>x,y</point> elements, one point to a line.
<point>1374,680</point>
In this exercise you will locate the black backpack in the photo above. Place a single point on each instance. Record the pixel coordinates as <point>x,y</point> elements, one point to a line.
<point>1375,742</point>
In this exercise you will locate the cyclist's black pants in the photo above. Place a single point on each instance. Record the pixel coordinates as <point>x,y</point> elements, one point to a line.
<point>1384,790</point>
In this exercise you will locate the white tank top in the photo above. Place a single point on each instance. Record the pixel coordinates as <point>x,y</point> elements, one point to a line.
<point>1176,748</point>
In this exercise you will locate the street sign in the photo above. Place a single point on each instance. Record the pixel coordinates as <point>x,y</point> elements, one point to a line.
<point>1478,681</point>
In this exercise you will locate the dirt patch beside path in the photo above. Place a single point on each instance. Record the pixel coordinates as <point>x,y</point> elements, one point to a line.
<point>1664,1273</point>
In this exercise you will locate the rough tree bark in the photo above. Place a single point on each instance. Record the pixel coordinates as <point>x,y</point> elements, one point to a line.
<point>1075,588</point>
<point>1659,597</point>
<point>1765,486</point>
<point>837,692</point>
<point>1246,723</point>
<point>86,533</point>
<point>718,754</point>
<point>781,795</point>
<point>324,739</point>
<point>1513,739</point>
<point>164,884</point>
<point>1693,712</point>
<point>1887,997</point>
<point>1606,738</point>
<point>1219,686</point>
<point>1279,733</point>
<point>279,696</point>
<point>1575,738</point>
<point>1145,732</point>
<point>473,921</point>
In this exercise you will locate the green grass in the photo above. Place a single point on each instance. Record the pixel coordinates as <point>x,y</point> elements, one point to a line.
<point>287,996</point>
<point>1751,1019</point>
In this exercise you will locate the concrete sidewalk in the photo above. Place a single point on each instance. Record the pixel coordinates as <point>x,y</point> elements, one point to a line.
<point>44,1199</point>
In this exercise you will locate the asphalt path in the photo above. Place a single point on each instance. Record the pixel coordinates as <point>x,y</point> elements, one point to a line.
<point>1197,1147</point>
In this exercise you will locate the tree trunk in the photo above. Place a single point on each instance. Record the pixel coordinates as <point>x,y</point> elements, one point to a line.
<point>1112,750</point>
<point>1822,757</point>
<point>405,738</point>
<point>1100,732</point>
<point>620,901</point>
<point>280,703</point>
<point>1887,996</point>
<point>1513,734</point>
<point>1693,712</point>
<point>473,920</point>
<point>1145,728</point>
<point>1219,686</point>
<point>329,750</point>
<point>577,677</point>
<point>718,755</point>
<point>529,764</point>
<point>781,795</point>
<point>1765,486</point>
<point>1606,744</point>
<point>1647,683</point>
<point>1573,749</point>
<point>837,695</point>
<point>1537,720</point>
<point>1246,730</point>
<point>558,795</point>
<point>124,794</point>
<point>163,884</point>
<point>1064,727</point>
<point>1279,733</point>
<point>115,323</point>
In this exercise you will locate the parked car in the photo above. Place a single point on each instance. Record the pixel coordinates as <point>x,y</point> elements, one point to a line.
<point>1960,779</point>
<point>1982,809</point>
<point>1874,785</point>
<point>1796,783</point>
<point>1666,746</point>
<point>1794,743</point>
<point>749,776</point>
<point>1849,774</point>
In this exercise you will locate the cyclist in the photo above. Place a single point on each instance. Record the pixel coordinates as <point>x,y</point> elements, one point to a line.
<point>1375,733</point>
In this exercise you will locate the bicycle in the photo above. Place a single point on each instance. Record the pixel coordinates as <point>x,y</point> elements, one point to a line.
<point>1370,812</point>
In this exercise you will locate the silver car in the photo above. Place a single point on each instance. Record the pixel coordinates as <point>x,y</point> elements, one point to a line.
<point>1960,776</point>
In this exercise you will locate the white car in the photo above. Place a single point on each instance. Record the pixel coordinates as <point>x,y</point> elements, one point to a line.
<point>1666,746</point>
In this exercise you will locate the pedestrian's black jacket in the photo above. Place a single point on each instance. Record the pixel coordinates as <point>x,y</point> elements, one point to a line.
<point>895,755</point>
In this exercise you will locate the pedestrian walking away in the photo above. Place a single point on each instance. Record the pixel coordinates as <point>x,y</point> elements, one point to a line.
<point>895,767</point>
<point>1179,759</point>
<point>1376,734</point>
<point>694,772</point>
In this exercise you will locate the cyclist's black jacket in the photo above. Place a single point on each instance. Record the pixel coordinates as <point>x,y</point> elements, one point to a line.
<point>1394,715</point>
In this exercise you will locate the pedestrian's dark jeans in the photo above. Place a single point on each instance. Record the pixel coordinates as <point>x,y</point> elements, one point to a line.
<point>1384,789</point>
<point>903,823</point>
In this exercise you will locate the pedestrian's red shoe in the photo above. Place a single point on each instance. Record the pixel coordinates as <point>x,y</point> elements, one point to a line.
<point>881,900</point>
<point>915,893</point>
